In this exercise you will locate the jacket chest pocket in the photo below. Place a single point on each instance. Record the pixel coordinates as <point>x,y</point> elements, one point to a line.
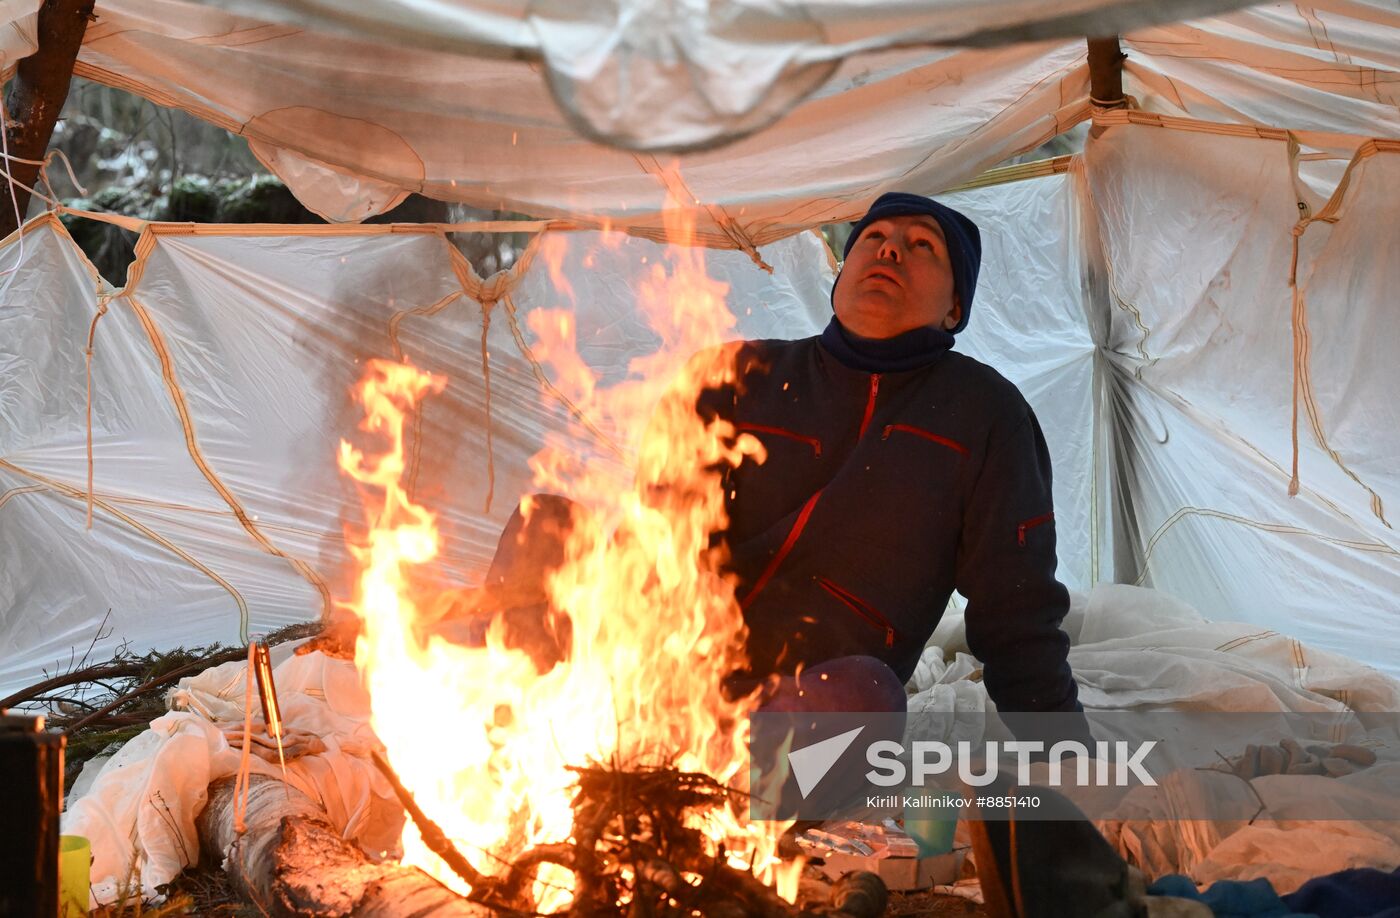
<point>772,436</point>
<point>922,434</point>
<point>758,495</point>
<point>919,469</point>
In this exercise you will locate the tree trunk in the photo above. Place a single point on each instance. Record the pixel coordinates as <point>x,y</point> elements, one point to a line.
<point>291,862</point>
<point>37,94</point>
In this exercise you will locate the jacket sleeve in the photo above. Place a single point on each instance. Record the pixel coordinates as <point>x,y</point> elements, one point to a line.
<point>1006,570</point>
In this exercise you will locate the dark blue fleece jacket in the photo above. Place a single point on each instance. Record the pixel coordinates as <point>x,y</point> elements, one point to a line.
<point>896,472</point>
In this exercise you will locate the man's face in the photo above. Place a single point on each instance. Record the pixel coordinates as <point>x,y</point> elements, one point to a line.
<point>896,278</point>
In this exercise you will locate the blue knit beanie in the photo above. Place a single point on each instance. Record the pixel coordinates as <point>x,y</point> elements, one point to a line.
<point>963,238</point>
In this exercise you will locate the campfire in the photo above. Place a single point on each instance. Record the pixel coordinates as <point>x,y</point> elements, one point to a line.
<point>616,780</point>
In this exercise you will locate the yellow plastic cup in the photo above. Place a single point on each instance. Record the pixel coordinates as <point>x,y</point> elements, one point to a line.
<point>74,865</point>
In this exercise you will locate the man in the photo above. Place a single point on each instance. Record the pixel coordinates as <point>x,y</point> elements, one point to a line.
<point>897,470</point>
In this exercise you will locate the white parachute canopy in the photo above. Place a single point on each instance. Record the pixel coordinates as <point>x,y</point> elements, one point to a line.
<point>1196,307</point>
<point>795,114</point>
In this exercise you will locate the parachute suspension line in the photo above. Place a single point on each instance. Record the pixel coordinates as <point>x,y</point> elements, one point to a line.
<point>87,361</point>
<point>37,92</point>
<point>670,179</point>
<point>43,165</point>
<point>486,308</point>
<point>76,495</point>
<point>1300,349</point>
<point>416,439</point>
<point>187,423</point>
<point>243,782</point>
<point>1302,344</point>
<point>1299,315</point>
<point>544,381</point>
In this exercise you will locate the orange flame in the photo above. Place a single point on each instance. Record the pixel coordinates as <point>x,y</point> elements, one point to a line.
<point>483,740</point>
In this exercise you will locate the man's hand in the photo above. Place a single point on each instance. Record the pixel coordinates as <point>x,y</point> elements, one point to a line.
<point>337,638</point>
<point>440,612</point>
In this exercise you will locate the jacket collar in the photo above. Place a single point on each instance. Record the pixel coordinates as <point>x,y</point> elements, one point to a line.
<point>909,351</point>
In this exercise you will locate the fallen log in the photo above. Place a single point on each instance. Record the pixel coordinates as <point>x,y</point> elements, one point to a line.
<point>291,863</point>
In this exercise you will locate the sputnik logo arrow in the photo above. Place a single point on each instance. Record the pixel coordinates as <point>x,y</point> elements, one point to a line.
<point>811,763</point>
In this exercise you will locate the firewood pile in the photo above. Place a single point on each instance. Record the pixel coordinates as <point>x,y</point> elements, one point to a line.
<point>634,852</point>
<point>631,854</point>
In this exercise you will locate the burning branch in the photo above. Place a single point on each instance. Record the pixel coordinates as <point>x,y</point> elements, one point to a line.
<point>432,834</point>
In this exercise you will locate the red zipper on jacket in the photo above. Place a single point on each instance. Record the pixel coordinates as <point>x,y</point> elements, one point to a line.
<point>860,607</point>
<point>783,432</point>
<point>869,404</point>
<point>798,525</point>
<point>1031,524</point>
<point>806,512</point>
<point>926,434</point>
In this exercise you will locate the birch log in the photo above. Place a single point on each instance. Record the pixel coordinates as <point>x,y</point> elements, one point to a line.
<point>292,862</point>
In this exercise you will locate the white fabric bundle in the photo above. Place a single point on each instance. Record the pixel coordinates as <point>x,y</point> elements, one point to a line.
<point>139,813</point>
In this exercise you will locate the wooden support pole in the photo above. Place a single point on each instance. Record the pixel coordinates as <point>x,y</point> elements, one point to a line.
<point>37,94</point>
<point>1106,72</point>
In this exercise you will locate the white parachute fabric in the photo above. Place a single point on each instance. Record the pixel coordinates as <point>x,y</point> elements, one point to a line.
<point>18,31</point>
<point>401,97</point>
<point>58,581</point>
<point>1332,66</point>
<point>332,194</point>
<point>531,28</point>
<point>1197,232</point>
<point>486,132</point>
<point>221,389</point>
<point>1030,321</point>
<point>253,336</point>
<point>673,75</point>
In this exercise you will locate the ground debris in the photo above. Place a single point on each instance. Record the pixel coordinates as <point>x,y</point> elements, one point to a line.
<point>926,903</point>
<point>202,890</point>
